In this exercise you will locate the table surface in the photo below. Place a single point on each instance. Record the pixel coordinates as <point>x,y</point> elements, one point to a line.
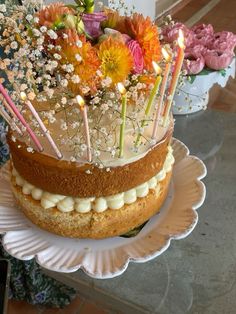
<point>196,274</point>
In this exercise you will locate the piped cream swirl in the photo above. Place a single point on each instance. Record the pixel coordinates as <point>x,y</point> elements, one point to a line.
<point>99,204</point>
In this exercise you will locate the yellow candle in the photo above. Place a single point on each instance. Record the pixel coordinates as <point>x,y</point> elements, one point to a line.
<point>122,90</point>
<point>175,77</point>
<point>83,111</point>
<point>151,99</point>
<point>162,91</point>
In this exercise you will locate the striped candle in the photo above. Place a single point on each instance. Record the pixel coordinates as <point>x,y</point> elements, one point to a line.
<point>21,118</point>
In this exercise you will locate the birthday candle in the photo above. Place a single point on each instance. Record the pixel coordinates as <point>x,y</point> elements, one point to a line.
<point>41,124</point>
<point>83,110</point>
<point>123,93</point>
<point>20,117</point>
<point>9,120</point>
<point>151,99</point>
<point>162,92</point>
<point>175,77</point>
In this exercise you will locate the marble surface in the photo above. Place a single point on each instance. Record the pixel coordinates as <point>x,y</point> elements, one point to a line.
<point>196,274</point>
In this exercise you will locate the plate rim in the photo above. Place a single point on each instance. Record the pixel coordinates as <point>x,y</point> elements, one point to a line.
<point>200,186</point>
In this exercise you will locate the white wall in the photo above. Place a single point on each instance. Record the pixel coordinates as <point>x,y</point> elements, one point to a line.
<point>146,7</point>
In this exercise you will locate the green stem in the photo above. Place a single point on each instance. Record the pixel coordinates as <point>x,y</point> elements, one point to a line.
<point>149,106</point>
<point>122,127</point>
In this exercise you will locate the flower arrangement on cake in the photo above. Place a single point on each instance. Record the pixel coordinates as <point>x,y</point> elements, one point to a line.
<point>209,59</point>
<point>89,108</point>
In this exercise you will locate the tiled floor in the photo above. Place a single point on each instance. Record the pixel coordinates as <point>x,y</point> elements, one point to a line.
<point>222,16</point>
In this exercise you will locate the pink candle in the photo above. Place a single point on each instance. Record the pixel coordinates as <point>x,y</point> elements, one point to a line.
<point>41,124</point>
<point>162,92</point>
<point>21,118</point>
<point>175,77</point>
<point>9,120</point>
<point>83,110</point>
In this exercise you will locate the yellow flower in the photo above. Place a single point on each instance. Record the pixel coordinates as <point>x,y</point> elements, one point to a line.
<point>116,59</point>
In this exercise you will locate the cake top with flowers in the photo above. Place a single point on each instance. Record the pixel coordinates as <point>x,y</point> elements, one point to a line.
<point>84,82</point>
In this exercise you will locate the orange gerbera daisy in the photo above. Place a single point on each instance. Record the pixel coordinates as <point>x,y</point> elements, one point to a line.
<point>145,32</point>
<point>116,59</point>
<point>77,51</point>
<point>52,14</point>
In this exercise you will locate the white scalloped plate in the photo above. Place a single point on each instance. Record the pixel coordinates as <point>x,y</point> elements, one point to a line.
<point>109,257</point>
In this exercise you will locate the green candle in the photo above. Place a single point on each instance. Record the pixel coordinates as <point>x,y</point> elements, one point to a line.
<point>151,99</point>
<point>122,90</point>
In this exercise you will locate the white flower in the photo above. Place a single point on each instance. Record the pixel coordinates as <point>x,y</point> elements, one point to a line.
<point>79,43</point>
<point>30,149</point>
<point>3,8</point>
<point>72,159</point>
<point>36,19</point>
<point>75,79</point>
<point>43,29</point>
<point>63,100</point>
<point>64,83</point>
<point>65,36</point>
<point>68,68</point>
<point>52,34</point>
<point>52,119</point>
<point>57,56</point>
<point>63,126</point>
<point>29,17</point>
<point>23,87</point>
<point>78,57</point>
<point>40,41</point>
<point>83,147</point>
<point>36,32</point>
<point>14,45</point>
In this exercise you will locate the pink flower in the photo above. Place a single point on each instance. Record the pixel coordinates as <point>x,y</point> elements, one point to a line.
<point>217,60</point>
<point>196,50</point>
<point>92,23</point>
<point>137,54</point>
<point>171,33</point>
<point>224,41</point>
<point>203,29</point>
<point>193,63</point>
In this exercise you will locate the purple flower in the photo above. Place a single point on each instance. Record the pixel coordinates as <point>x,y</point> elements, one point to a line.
<point>92,23</point>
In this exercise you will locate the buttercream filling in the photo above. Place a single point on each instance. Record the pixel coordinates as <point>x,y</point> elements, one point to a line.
<point>98,204</point>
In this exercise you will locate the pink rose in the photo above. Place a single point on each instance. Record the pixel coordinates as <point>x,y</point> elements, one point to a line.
<point>217,60</point>
<point>193,63</point>
<point>137,54</point>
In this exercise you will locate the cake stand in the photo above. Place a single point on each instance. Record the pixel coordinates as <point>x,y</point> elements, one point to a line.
<point>109,257</point>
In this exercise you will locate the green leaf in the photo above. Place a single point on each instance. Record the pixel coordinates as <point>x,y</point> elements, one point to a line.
<point>191,78</point>
<point>206,71</point>
<point>222,72</point>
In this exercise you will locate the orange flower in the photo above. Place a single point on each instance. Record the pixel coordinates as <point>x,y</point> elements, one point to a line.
<point>113,19</point>
<point>84,59</point>
<point>116,59</point>
<point>146,34</point>
<point>52,14</point>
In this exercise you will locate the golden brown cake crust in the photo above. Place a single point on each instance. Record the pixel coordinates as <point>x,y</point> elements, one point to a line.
<point>71,179</point>
<point>93,225</point>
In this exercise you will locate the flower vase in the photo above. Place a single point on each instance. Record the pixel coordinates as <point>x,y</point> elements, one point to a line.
<point>193,96</point>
